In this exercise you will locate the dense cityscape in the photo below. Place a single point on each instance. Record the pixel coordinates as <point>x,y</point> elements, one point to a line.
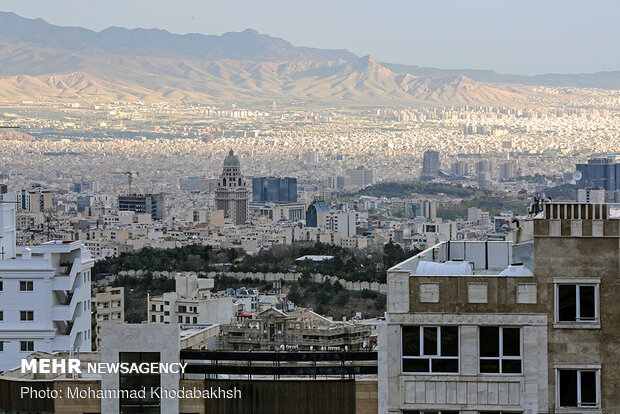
<point>308,256</point>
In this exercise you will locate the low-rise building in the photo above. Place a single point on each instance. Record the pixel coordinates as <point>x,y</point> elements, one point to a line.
<point>191,303</point>
<point>302,329</point>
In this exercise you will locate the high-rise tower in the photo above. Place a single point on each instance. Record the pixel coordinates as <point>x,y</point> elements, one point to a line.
<point>430,165</point>
<point>233,193</point>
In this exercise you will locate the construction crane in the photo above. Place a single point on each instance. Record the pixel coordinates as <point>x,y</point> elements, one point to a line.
<point>130,175</point>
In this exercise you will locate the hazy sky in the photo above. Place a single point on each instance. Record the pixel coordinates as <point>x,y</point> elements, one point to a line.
<point>509,36</point>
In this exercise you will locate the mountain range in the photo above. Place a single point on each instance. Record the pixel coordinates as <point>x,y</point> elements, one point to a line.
<point>39,60</point>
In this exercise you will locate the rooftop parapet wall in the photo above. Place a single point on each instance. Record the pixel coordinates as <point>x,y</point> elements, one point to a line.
<point>576,228</point>
<point>576,211</point>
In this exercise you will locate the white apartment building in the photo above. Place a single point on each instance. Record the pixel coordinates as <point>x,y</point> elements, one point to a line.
<point>190,303</point>
<point>343,222</point>
<point>477,216</point>
<point>45,301</point>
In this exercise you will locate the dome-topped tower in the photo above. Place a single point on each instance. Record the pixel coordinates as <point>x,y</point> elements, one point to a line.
<point>233,193</point>
<point>231,160</point>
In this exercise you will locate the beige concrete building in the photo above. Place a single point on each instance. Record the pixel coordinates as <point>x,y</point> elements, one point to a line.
<point>523,327</point>
<point>108,307</point>
<point>212,218</point>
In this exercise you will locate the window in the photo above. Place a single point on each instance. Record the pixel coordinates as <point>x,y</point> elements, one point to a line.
<point>153,318</point>
<point>26,346</point>
<point>26,286</point>
<point>576,303</point>
<point>180,319</point>
<point>1,316</point>
<point>26,315</point>
<point>1,346</point>
<point>1,286</point>
<point>154,308</point>
<point>136,381</point>
<point>578,388</point>
<point>500,350</point>
<point>182,309</point>
<point>430,349</point>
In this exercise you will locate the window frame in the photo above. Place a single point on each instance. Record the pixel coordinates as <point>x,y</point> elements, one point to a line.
<point>27,313</point>
<point>431,357</point>
<point>21,346</point>
<point>577,323</point>
<point>28,283</point>
<point>597,381</point>
<point>501,357</point>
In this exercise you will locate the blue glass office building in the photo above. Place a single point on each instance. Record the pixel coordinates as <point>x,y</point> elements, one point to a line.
<point>279,190</point>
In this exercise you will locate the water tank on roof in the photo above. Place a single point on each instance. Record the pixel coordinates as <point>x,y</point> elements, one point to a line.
<point>450,268</point>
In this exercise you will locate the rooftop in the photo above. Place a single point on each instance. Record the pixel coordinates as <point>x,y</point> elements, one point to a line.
<point>472,258</point>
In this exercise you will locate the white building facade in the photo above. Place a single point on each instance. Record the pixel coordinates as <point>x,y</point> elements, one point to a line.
<point>45,299</point>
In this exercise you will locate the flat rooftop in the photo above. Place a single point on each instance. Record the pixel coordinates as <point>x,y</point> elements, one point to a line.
<point>472,258</point>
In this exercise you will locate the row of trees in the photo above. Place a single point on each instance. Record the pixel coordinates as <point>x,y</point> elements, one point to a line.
<point>400,189</point>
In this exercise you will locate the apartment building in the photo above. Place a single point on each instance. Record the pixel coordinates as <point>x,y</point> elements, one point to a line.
<point>34,200</point>
<point>343,222</point>
<point>191,303</point>
<point>212,218</point>
<point>108,307</point>
<point>45,301</point>
<point>508,327</point>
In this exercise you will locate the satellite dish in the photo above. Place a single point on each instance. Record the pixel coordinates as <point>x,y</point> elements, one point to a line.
<point>577,175</point>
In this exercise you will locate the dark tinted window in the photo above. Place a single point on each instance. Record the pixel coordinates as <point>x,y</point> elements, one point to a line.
<point>512,341</point>
<point>586,302</point>
<point>415,365</point>
<point>567,306</point>
<point>449,341</point>
<point>568,388</point>
<point>430,341</point>
<point>588,388</point>
<point>489,341</point>
<point>411,341</point>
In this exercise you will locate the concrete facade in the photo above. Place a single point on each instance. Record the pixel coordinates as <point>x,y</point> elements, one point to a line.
<point>190,303</point>
<point>560,291</point>
<point>162,339</point>
<point>108,307</point>
<point>45,300</point>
